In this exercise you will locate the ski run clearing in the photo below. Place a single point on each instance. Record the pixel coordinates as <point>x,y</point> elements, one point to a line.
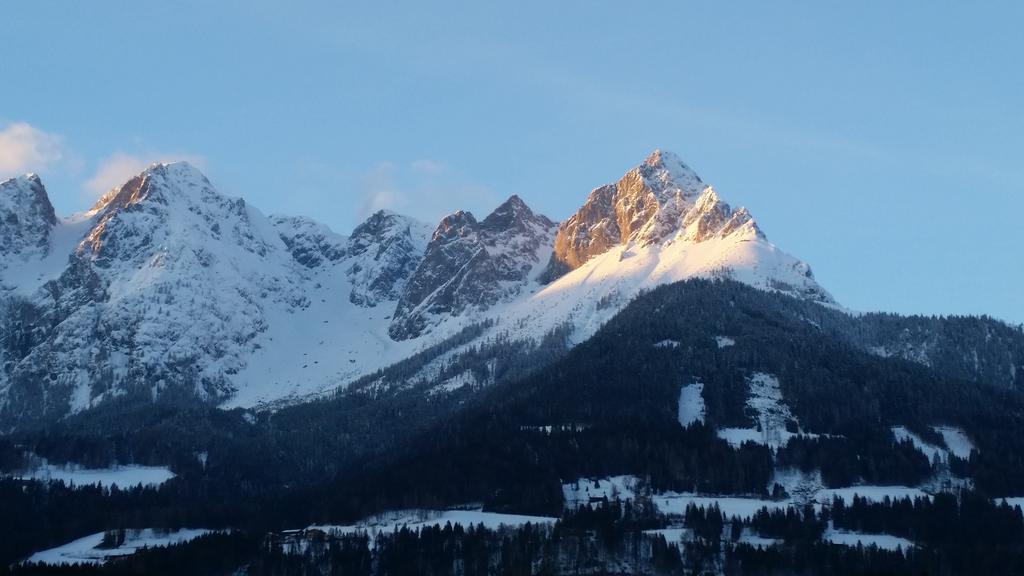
<point>772,415</point>
<point>87,550</point>
<point>956,441</point>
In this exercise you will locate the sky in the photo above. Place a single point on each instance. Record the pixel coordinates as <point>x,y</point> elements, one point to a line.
<point>882,142</point>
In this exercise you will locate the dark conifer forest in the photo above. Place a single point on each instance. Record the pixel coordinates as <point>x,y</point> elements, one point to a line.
<point>607,407</point>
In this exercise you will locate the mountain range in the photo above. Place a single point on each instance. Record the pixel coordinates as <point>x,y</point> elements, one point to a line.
<point>166,286</point>
<point>649,386</point>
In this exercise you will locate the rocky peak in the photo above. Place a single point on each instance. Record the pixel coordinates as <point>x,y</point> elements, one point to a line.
<point>514,214</point>
<point>172,205</point>
<point>471,264</point>
<point>455,225</point>
<point>159,183</point>
<point>382,253</point>
<point>26,216</point>
<point>311,243</point>
<point>659,200</point>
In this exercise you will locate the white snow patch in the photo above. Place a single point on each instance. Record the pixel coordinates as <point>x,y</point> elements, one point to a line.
<point>676,504</point>
<point>802,487</point>
<point>672,535</point>
<point>390,522</point>
<point>691,404</point>
<point>772,415</point>
<point>756,540</point>
<point>724,341</point>
<point>121,476</point>
<point>930,451</point>
<point>586,490</point>
<point>667,344</point>
<point>1012,502</point>
<point>882,541</point>
<point>85,551</point>
<point>870,493</point>
<point>956,441</point>
<point>457,382</point>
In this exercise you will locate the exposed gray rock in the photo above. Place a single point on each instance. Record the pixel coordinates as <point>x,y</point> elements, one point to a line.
<point>382,253</point>
<point>472,265</point>
<point>26,218</point>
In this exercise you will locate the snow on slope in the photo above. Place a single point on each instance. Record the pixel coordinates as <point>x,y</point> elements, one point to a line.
<point>772,415</point>
<point>122,476</point>
<point>691,404</point>
<point>170,283</point>
<point>586,490</point>
<point>851,538</point>
<point>390,522</point>
<point>591,294</point>
<point>87,551</point>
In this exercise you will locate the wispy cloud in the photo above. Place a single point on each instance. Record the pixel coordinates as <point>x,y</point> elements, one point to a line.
<point>118,168</point>
<point>426,166</point>
<point>424,189</point>
<point>25,148</point>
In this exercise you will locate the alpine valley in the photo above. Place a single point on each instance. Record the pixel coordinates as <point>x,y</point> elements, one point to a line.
<point>189,386</point>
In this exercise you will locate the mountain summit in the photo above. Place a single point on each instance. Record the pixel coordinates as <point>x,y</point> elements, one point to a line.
<point>653,202</point>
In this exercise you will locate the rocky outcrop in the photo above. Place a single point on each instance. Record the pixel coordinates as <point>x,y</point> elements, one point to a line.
<point>26,218</point>
<point>645,206</point>
<point>472,265</point>
<point>381,254</point>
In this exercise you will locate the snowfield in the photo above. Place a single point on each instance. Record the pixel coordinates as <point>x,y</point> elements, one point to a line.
<point>586,490</point>
<point>764,398</point>
<point>676,504</point>
<point>882,541</point>
<point>724,341</point>
<point>957,443</point>
<point>120,476</point>
<point>85,550</point>
<point>870,493</point>
<point>691,404</point>
<point>391,522</point>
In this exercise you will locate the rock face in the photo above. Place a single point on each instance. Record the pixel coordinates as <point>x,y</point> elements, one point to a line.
<point>26,219</point>
<point>166,291</point>
<point>471,265</point>
<point>311,243</point>
<point>382,253</point>
<point>646,206</point>
<point>168,287</point>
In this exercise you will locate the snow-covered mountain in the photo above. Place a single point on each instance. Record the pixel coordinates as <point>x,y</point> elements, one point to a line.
<point>26,221</point>
<point>168,286</point>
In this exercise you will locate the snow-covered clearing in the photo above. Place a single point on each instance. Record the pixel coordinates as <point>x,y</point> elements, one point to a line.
<point>390,522</point>
<point>724,341</point>
<point>691,404</point>
<point>586,490</point>
<point>85,551</point>
<point>870,493</point>
<point>121,476</point>
<point>882,541</point>
<point>676,504</point>
<point>764,399</point>
<point>957,443</point>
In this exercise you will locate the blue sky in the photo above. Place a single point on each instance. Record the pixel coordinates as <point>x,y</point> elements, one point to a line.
<point>881,142</point>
